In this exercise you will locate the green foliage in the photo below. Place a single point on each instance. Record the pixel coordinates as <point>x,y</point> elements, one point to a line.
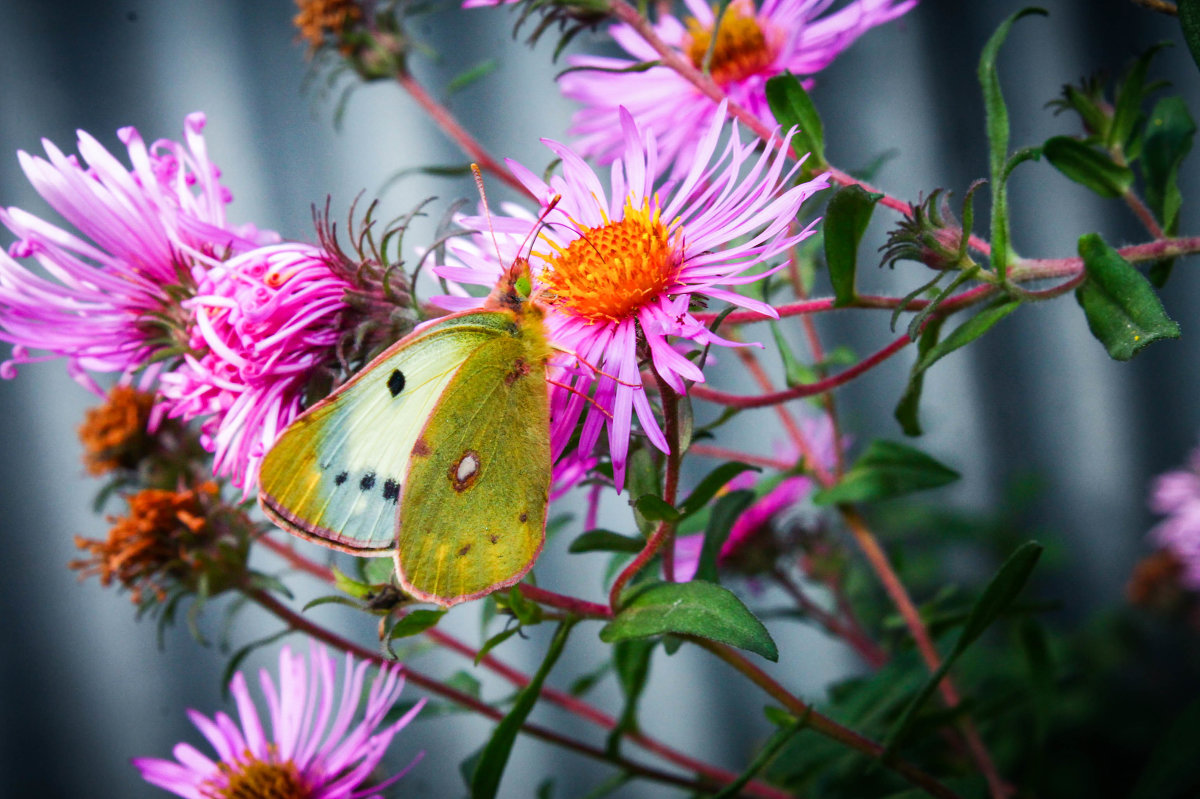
<point>1189,21</point>
<point>720,523</point>
<point>696,608</point>
<point>884,471</point>
<point>846,220</point>
<point>487,771</point>
<point>792,107</point>
<point>1088,167</point>
<point>606,541</point>
<point>998,133</point>
<point>1122,310</point>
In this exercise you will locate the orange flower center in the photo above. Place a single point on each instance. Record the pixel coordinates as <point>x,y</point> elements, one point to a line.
<point>743,47</point>
<point>256,779</point>
<point>612,270</point>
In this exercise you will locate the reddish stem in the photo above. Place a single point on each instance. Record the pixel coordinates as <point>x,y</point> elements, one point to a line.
<point>709,451</point>
<point>579,607</point>
<point>466,142</point>
<point>806,390</point>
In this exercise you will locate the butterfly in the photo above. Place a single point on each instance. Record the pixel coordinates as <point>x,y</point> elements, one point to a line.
<point>437,452</point>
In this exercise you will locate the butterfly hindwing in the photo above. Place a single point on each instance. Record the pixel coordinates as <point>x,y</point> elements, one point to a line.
<point>335,475</point>
<point>473,513</point>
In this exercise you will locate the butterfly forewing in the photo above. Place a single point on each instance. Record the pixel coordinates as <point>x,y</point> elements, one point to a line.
<point>473,513</point>
<point>335,475</point>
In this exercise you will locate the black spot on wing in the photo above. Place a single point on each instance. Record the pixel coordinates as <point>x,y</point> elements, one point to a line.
<point>463,551</point>
<point>341,478</point>
<point>367,482</point>
<point>391,490</point>
<point>396,382</point>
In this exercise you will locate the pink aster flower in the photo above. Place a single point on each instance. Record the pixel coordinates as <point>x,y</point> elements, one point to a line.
<point>313,750</point>
<point>146,233</point>
<point>264,322</point>
<point>754,527</point>
<point>619,269</point>
<point>753,45</point>
<point>1177,494</point>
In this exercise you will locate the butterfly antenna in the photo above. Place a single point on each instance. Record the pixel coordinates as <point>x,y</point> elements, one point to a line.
<point>487,212</point>
<point>595,369</point>
<point>585,397</point>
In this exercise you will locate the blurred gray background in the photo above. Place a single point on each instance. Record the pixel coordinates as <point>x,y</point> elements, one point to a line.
<point>84,687</point>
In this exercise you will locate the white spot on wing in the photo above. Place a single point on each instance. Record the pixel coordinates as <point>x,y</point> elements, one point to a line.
<point>467,467</point>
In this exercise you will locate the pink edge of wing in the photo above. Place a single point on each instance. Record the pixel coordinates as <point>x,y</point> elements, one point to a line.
<point>322,536</point>
<point>448,602</point>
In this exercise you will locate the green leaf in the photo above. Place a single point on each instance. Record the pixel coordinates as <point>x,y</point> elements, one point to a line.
<point>766,754</point>
<point>494,642</point>
<point>1168,140</point>
<point>1087,166</point>
<point>606,541</point>
<point>376,571</point>
<point>1122,310</point>
<point>713,482</point>
<point>1131,94</point>
<point>997,133</point>
<point>792,106</point>
<point>1174,769</point>
<point>414,622</point>
<point>846,220</point>
<point>655,509</point>
<point>489,768</point>
<point>887,469</point>
<point>697,608</point>
<point>995,599</point>
<point>906,409</point>
<point>794,372</point>
<point>724,514</point>
<point>1189,20</point>
<point>349,585</point>
<point>466,78</point>
<point>631,660</point>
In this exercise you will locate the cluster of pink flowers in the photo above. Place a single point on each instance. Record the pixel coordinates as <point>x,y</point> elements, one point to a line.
<point>158,287</point>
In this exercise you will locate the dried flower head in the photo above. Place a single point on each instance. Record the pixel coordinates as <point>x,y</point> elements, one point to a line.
<point>169,539</point>
<point>1155,582</point>
<point>321,22</point>
<point>114,434</point>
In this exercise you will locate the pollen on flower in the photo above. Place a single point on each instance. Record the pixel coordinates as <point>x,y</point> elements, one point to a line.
<point>744,46</point>
<point>610,271</point>
<point>158,542</point>
<point>317,18</point>
<point>114,434</point>
<point>251,778</point>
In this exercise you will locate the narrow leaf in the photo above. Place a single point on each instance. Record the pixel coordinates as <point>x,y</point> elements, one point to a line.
<point>697,608</point>
<point>997,133</point>
<point>792,106</point>
<point>1174,769</point>
<point>1168,140</point>
<point>725,514</point>
<point>770,749</point>
<point>489,768</point>
<point>906,412</point>
<point>794,372</point>
<point>713,482</point>
<point>1131,94</point>
<point>887,469</point>
<point>631,660</point>
<point>494,642</point>
<point>846,220</point>
<point>1087,166</point>
<point>656,509</point>
<point>1122,310</point>
<point>606,541</point>
<point>995,599</point>
<point>414,622</point>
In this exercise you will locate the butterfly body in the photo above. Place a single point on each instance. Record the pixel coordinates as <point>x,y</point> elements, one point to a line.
<point>438,452</point>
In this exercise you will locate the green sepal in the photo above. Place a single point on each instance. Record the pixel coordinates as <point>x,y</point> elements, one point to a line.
<point>846,220</point>
<point>792,107</point>
<point>887,469</point>
<point>1122,310</point>
<point>1087,166</point>
<point>696,608</point>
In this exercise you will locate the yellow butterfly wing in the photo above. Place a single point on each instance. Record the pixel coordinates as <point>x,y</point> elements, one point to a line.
<point>473,512</point>
<point>335,475</point>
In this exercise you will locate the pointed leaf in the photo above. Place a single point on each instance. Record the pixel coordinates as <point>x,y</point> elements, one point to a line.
<point>906,412</point>
<point>887,469</point>
<point>654,508</point>
<point>1122,310</point>
<point>725,514</point>
<point>697,608</point>
<point>414,622</point>
<point>606,541</point>
<point>1087,166</point>
<point>1168,140</point>
<point>846,220</point>
<point>792,106</point>
<point>489,768</point>
<point>1189,20</point>
<point>713,482</point>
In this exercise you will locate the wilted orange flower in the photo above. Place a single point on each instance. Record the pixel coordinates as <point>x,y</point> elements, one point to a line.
<point>114,434</point>
<point>319,18</point>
